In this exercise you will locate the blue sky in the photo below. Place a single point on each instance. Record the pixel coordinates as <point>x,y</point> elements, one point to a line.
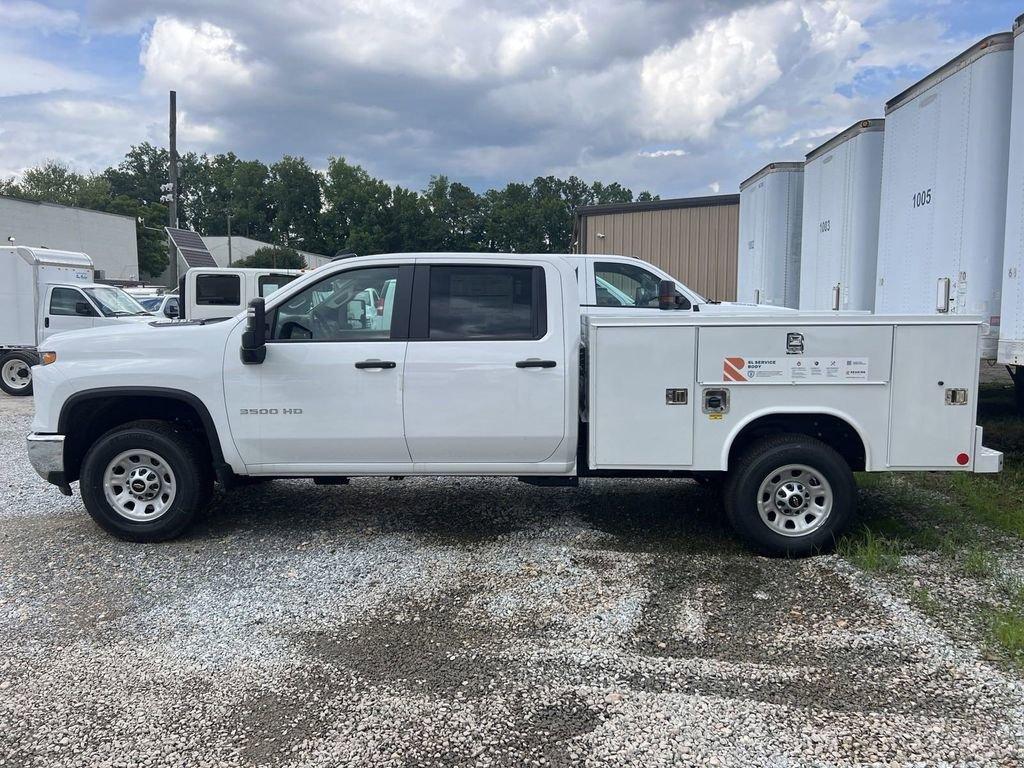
<point>679,97</point>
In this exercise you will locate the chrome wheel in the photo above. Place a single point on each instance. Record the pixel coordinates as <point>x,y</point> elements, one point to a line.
<point>794,500</point>
<point>16,373</point>
<point>139,485</point>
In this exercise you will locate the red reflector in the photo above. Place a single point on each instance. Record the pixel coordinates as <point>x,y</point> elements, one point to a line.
<point>962,459</point>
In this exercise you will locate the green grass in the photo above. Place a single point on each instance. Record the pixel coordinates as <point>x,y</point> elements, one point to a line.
<point>979,562</point>
<point>870,551</point>
<point>1006,625</point>
<point>922,599</point>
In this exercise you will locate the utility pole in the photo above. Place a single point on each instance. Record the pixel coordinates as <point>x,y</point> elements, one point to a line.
<point>229,238</point>
<point>172,193</point>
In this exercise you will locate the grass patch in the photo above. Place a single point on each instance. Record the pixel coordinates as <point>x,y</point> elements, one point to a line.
<point>979,562</point>
<point>871,552</point>
<point>922,599</point>
<point>1006,625</point>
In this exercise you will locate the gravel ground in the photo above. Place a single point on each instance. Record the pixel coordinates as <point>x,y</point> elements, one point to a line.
<point>465,622</point>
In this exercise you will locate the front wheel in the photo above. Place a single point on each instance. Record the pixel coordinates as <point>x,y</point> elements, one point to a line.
<point>790,495</point>
<point>145,481</point>
<point>16,373</point>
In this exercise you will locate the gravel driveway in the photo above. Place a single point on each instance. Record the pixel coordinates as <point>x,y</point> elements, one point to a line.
<point>464,622</point>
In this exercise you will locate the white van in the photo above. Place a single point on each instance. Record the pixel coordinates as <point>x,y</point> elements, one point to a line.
<point>217,293</point>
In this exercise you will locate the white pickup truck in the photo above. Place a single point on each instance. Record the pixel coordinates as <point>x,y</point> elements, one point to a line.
<point>480,365</point>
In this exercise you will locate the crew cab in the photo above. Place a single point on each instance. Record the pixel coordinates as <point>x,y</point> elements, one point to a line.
<point>478,364</point>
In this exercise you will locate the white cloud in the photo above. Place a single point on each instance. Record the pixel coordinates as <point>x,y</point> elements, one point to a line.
<point>25,74</point>
<point>663,153</point>
<point>202,56</point>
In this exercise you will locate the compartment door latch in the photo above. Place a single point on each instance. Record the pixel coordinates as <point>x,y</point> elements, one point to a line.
<point>677,396</point>
<point>794,343</point>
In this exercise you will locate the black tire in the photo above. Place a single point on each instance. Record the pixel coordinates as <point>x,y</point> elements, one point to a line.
<point>25,373</point>
<point>189,465</point>
<point>757,464</point>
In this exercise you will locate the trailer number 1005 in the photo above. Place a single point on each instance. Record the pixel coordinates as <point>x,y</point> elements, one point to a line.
<point>922,198</point>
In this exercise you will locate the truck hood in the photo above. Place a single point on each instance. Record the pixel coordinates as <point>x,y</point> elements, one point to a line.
<point>135,337</point>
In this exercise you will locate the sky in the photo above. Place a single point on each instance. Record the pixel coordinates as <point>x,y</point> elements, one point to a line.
<point>678,97</point>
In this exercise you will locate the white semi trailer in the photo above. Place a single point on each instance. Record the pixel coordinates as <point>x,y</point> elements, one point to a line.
<point>1011,336</point>
<point>768,264</point>
<point>842,195</point>
<point>940,241</point>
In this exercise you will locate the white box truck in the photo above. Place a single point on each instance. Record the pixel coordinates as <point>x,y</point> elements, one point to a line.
<point>1011,329</point>
<point>940,239</point>
<point>771,211</point>
<point>482,366</point>
<point>43,292</point>
<point>216,293</point>
<point>842,194</point>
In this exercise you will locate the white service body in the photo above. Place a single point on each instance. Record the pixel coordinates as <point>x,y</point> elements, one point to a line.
<point>940,241</point>
<point>1011,328</point>
<point>771,214</point>
<point>839,246</point>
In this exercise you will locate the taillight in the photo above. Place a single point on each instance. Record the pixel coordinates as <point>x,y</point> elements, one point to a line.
<point>962,459</point>
<point>380,305</point>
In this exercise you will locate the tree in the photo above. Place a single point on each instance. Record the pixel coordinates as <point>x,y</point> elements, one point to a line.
<point>295,190</point>
<point>275,257</point>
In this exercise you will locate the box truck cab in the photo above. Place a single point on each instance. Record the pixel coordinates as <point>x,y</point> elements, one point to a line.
<point>45,292</point>
<point>479,364</point>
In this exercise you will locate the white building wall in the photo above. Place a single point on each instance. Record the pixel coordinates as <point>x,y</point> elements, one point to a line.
<point>243,247</point>
<point>108,238</point>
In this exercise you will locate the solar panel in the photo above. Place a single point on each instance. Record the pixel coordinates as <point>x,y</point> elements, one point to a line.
<point>191,247</point>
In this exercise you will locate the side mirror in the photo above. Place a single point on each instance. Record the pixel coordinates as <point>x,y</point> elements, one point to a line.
<point>356,310</point>
<point>254,339</point>
<point>82,308</point>
<point>669,297</point>
<point>171,312</point>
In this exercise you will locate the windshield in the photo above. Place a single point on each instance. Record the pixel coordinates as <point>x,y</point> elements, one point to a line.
<point>113,302</point>
<point>152,303</point>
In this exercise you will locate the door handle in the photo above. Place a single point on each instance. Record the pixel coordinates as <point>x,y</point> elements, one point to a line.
<point>364,364</point>
<point>534,362</point>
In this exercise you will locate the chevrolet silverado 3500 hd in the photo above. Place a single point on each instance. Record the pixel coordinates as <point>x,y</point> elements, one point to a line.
<point>479,365</point>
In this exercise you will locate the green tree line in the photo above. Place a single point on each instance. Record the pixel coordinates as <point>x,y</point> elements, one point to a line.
<point>342,209</point>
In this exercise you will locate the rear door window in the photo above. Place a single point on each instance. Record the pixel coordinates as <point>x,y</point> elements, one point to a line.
<point>486,302</point>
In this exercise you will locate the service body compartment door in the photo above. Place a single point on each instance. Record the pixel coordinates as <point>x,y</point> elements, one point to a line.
<point>641,396</point>
<point>928,362</point>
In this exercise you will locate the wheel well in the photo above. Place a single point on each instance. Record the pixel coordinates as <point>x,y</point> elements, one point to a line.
<point>831,430</point>
<point>86,418</point>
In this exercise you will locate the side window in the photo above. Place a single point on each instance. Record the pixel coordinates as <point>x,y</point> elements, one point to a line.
<point>270,283</point>
<point>625,285</point>
<point>356,305</point>
<point>218,290</point>
<point>485,302</point>
<point>64,301</point>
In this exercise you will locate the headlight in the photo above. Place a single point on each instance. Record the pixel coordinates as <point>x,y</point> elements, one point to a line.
<point>45,358</point>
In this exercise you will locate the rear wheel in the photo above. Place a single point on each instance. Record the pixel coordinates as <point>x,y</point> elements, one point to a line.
<point>16,373</point>
<point>145,481</point>
<point>790,495</point>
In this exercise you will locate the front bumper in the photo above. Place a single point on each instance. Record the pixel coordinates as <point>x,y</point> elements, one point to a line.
<point>46,453</point>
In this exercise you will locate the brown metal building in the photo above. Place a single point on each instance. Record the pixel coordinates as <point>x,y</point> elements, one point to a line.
<point>694,239</point>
